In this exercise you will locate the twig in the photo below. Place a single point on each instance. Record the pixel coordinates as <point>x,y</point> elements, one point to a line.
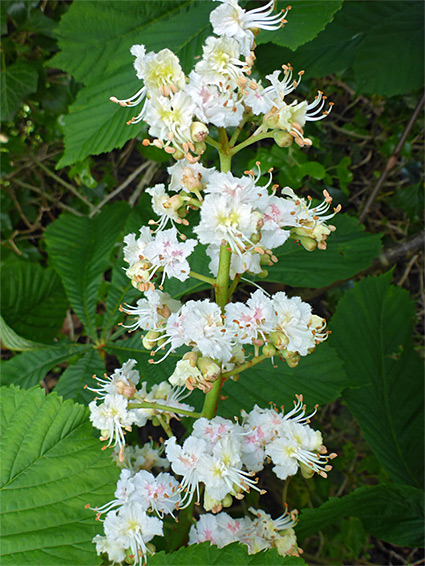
<point>68,186</point>
<point>47,197</point>
<point>407,270</point>
<point>393,159</point>
<point>147,177</point>
<point>121,187</point>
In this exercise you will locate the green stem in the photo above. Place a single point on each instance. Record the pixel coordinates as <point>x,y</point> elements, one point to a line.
<point>249,141</point>
<point>224,151</point>
<point>211,141</point>
<point>238,130</point>
<point>233,286</point>
<point>165,426</point>
<point>167,408</point>
<point>244,366</point>
<point>203,278</point>
<point>222,281</point>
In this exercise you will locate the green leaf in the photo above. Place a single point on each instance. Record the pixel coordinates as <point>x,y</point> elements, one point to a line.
<point>305,20</point>
<point>371,331</point>
<point>33,301</point>
<point>13,341</point>
<point>16,82</point>
<point>393,513</point>
<point>350,250</point>
<point>80,250</point>
<point>393,43</point>
<point>231,555</point>
<point>51,467</point>
<point>344,174</point>
<point>97,52</point>
<point>29,368</point>
<point>320,378</point>
<point>75,377</point>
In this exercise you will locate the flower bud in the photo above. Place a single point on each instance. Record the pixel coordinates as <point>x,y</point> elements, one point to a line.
<point>198,131</point>
<point>306,471</point>
<point>150,339</point>
<point>209,369</point>
<point>269,350</point>
<point>139,272</point>
<point>127,390</point>
<point>279,339</point>
<point>192,357</point>
<point>283,139</point>
<point>292,360</point>
<point>200,148</point>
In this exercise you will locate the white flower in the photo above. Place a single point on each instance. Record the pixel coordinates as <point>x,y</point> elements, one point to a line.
<point>220,61</point>
<point>138,458</point>
<point>258,98</point>
<point>112,418</point>
<point>218,105</point>
<point>220,529</point>
<point>242,188</point>
<point>153,311</point>
<point>231,20</point>
<point>205,330</point>
<point>133,250</point>
<point>131,528</point>
<point>170,119</point>
<point>184,371</point>
<point>214,430</point>
<point>160,71</point>
<point>187,176</point>
<point>160,494</point>
<point>167,253</point>
<point>293,317</point>
<point>115,552</point>
<point>185,462</point>
<point>121,382</point>
<point>253,320</point>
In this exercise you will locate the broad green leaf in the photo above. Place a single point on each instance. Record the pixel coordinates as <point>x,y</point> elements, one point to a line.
<point>350,250</point>
<point>393,513</point>
<point>371,332</point>
<point>29,368</point>
<point>319,377</point>
<point>33,301</point>
<point>16,82</point>
<point>13,341</point>
<point>80,249</point>
<point>51,467</point>
<point>393,43</point>
<point>305,20</point>
<point>73,380</point>
<point>97,52</point>
<point>231,555</point>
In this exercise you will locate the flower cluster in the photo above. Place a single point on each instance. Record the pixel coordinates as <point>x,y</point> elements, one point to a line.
<point>121,405</point>
<point>239,222</point>
<point>219,90</point>
<point>257,534</point>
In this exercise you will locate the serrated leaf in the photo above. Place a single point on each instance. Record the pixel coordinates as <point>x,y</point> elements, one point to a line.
<point>305,20</point>
<point>231,555</point>
<point>33,301</point>
<point>98,54</point>
<point>371,331</point>
<point>13,341</point>
<point>350,250</point>
<point>80,249</point>
<point>16,82</point>
<point>51,467</point>
<point>75,377</point>
<point>393,513</point>
<point>29,368</point>
<point>319,377</point>
<point>397,42</point>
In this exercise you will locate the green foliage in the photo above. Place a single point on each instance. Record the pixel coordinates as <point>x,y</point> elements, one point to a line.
<point>305,20</point>
<point>80,250</point>
<point>371,331</point>
<point>320,377</point>
<point>29,368</point>
<point>16,82</point>
<point>51,468</point>
<point>231,555</point>
<point>350,249</point>
<point>372,38</point>
<point>33,301</point>
<point>73,380</point>
<point>394,513</point>
<point>97,52</point>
